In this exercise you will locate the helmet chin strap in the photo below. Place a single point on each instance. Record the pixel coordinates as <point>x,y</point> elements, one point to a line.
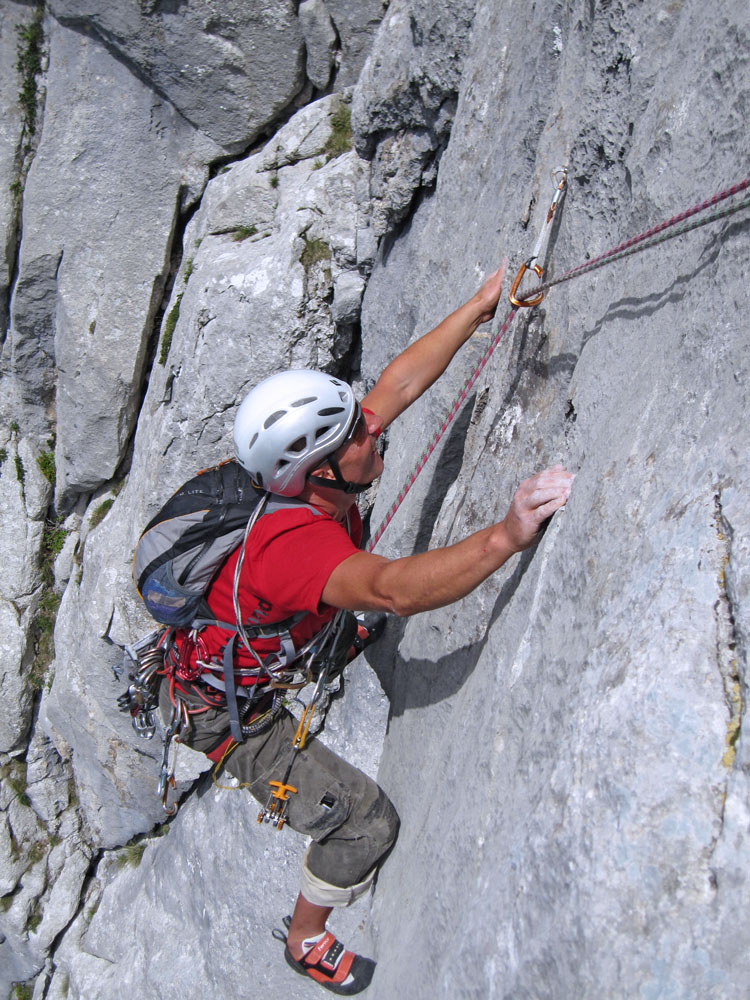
<point>338,482</point>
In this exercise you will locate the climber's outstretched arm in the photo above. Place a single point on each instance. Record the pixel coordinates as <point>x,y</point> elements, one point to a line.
<point>433,579</point>
<point>416,368</point>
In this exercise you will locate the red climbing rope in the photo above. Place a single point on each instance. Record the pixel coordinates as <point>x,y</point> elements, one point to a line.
<point>465,389</point>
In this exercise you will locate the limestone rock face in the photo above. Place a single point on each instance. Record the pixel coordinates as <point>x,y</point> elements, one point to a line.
<point>567,746</point>
<point>15,724</point>
<point>356,25</point>
<point>229,69</point>
<point>405,99</point>
<point>235,69</point>
<point>44,859</point>
<point>320,41</point>
<point>113,165</point>
<point>24,497</point>
<point>583,711</point>
<point>14,16</point>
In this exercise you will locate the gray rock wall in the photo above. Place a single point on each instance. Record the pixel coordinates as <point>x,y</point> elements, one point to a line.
<point>228,70</point>
<point>232,70</point>
<point>567,745</point>
<point>10,158</point>
<point>113,166</point>
<point>575,727</point>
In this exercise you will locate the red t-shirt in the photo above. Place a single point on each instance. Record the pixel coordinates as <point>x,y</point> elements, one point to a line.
<point>289,557</point>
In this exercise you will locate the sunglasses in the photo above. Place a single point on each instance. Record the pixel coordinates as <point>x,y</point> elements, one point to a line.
<point>357,429</point>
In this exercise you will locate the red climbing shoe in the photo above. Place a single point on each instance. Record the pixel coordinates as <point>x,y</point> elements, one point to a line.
<point>338,970</point>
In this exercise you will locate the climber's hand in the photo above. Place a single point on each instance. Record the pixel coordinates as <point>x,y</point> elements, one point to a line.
<point>487,297</point>
<point>534,501</point>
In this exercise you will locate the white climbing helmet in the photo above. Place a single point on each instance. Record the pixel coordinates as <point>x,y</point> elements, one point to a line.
<point>290,423</point>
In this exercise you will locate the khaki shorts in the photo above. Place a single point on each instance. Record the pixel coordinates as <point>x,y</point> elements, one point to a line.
<point>349,817</point>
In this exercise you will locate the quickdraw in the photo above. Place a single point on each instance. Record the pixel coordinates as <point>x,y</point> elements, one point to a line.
<point>540,250</point>
<point>667,230</point>
<point>179,726</point>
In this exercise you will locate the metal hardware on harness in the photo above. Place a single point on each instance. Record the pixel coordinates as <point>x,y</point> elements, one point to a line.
<point>296,686</point>
<point>300,737</point>
<point>179,724</point>
<point>141,697</point>
<point>275,809</point>
<point>144,723</point>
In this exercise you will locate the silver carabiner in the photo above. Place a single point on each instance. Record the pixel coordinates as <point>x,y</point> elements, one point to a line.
<point>144,723</point>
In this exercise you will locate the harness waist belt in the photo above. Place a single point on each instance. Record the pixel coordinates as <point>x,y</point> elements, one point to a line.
<point>241,690</point>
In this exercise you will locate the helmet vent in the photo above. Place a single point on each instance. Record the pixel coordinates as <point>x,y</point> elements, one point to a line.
<point>270,421</point>
<point>299,445</point>
<point>330,411</point>
<point>321,431</point>
<point>253,440</point>
<point>305,401</point>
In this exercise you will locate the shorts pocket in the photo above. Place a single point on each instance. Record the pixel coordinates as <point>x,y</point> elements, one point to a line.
<point>322,815</point>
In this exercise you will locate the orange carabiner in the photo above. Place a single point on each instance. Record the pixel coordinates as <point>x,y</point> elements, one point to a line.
<point>520,303</point>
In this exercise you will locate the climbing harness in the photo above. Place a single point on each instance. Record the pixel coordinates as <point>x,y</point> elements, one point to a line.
<point>651,237</point>
<point>161,658</point>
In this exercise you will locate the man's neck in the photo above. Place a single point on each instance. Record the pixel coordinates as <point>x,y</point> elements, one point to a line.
<point>335,503</point>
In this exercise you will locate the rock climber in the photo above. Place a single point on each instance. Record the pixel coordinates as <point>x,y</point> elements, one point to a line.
<point>303,435</point>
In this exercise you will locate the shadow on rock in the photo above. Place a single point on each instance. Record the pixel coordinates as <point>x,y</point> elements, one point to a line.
<point>416,683</point>
<point>444,474</point>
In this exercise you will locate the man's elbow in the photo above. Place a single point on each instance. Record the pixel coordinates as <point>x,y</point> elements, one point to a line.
<point>394,593</point>
<point>402,609</point>
<point>403,605</point>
